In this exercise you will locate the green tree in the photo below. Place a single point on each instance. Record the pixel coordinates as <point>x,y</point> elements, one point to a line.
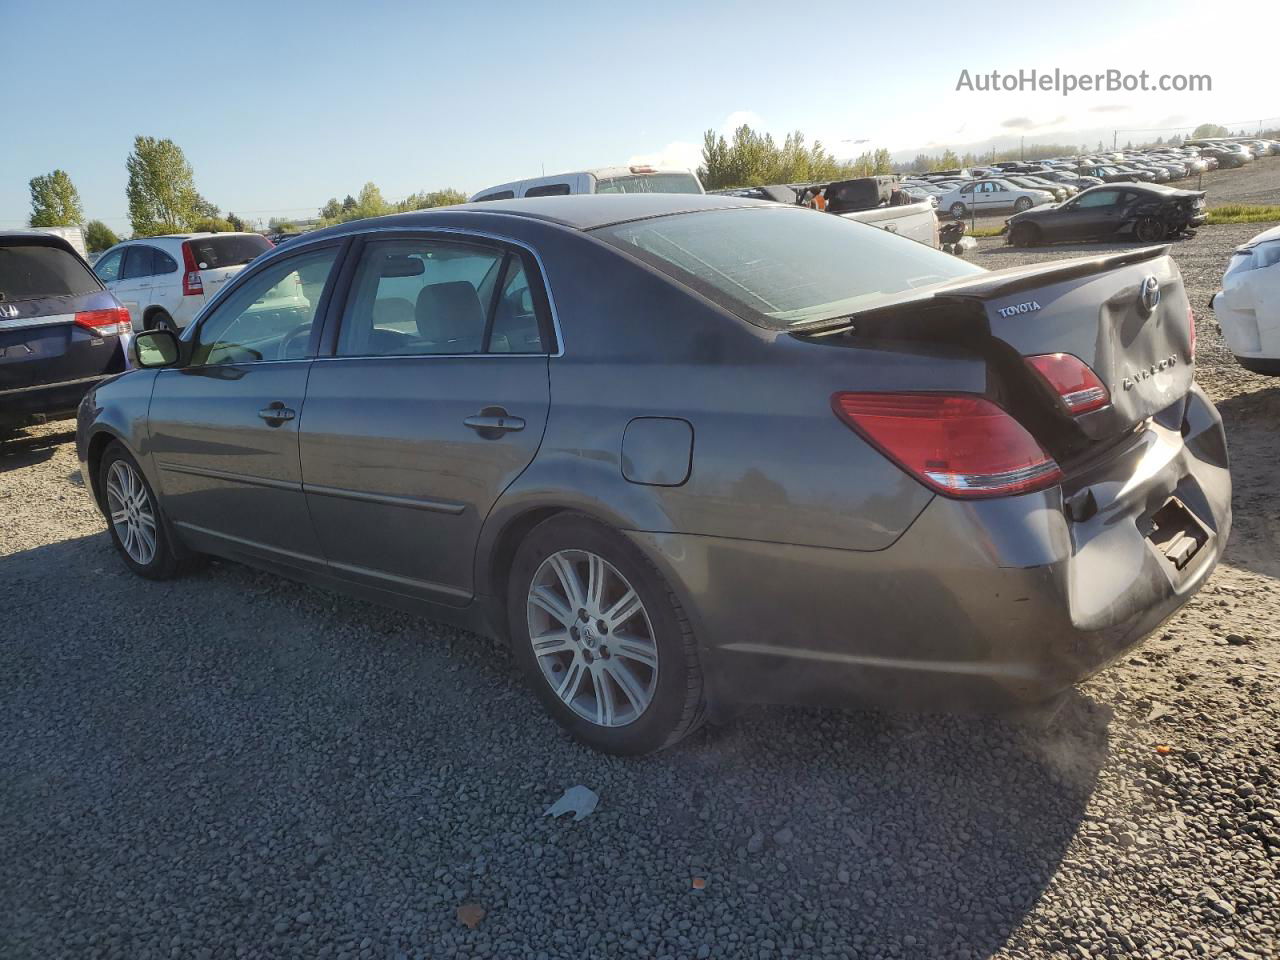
<point>98,236</point>
<point>331,210</point>
<point>349,202</point>
<point>426,199</point>
<point>370,203</point>
<point>161,191</point>
<point>281,225</point>
<point>211,225</point>
<point>238,225</point>
<point>55,201</point>
<point>1208,130</point>
<point>752,158</point>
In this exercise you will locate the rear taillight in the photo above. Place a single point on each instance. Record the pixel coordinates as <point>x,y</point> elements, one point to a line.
<point>110,322</point>
<point>960,445</point>
<point>1191,327</point>
<point>192,285</point>
<point>1071,379</point>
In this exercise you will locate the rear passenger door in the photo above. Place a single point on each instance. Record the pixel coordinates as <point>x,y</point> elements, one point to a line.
<point>133,288</point>
<point>432,401</point>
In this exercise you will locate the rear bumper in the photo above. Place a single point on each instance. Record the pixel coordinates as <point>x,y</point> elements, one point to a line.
<point>45,401</point>
<point>982,605</point>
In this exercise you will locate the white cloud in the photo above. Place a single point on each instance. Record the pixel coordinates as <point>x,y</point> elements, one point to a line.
<point>738,118</point>
<point>679,154</point>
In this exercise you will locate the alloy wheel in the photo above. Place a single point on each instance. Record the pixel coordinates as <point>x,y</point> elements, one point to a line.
<point>592,638</point>
<point>131,512</point>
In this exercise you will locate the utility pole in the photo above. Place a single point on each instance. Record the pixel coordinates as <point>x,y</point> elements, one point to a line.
<point>1115,138</point>
<point>1024,149</point>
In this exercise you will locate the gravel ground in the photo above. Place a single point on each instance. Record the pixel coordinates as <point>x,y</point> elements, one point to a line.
<point>231,765</point>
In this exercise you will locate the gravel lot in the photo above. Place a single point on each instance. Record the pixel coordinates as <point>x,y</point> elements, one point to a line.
<point>231,765</point>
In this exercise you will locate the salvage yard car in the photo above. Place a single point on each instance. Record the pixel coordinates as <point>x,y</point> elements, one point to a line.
<point>637,178</point>
<point>991,196</point>
<point>1145,212</point>
<point>164,281</point>
<point>1248,305</point>
<point>61,331</point>
<point>688,451</point>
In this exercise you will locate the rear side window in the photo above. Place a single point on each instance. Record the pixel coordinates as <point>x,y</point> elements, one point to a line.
<point>548,190</point>
<point>650,183</point>
<point>137,263</point>
<point>227,249</point>
<point>30,271</point>
<point>499,195</point>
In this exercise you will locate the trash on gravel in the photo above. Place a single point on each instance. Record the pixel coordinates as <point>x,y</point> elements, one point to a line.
<point>580,801</point>
<point>470,915</point>
<point>1163,748</point>
<point>699,883</point>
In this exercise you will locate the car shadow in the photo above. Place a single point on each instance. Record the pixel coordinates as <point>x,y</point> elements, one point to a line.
<point>27,450</point>
<point>412,745</point>
<point>1250,422</point>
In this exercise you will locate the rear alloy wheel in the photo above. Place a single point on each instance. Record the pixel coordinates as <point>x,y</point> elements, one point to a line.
<point>1022,203</point>
<point>959,210</point>
<point>602,638</point>
<point>133,517</point>
<point>1149,230</point>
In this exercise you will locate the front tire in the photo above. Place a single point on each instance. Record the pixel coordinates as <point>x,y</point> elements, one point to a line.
<point>959,211</point>
<point>602,638</point>
<point>160,320</point>
<point>1022,203</point>
<point>1023,235</point>
<point>134,519</point>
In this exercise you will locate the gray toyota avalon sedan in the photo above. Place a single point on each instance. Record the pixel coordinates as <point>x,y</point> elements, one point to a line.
<point>682,452</point>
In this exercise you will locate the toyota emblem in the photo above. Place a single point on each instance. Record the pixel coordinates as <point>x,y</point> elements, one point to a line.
<point>1149,295</point>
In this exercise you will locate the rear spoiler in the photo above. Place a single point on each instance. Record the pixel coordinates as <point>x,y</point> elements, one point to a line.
<point>993,285</point>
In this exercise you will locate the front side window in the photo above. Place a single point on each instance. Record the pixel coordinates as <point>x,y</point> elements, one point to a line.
<point>782,266</point>
<point>1099,198</point>
<point>269,315</point>
<point>108,267</point>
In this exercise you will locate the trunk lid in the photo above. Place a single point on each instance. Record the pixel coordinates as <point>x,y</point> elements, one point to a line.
<point>1125,315</point>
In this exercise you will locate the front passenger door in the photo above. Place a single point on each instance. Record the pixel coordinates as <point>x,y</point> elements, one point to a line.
<point>224,427</point>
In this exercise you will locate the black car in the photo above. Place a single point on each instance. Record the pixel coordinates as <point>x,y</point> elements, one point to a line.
<point>61,330</point>
<point>1144,211</point>
<point>1109,173</point>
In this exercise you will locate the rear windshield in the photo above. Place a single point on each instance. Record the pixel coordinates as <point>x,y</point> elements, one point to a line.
<point>650,183</point>
<point>30,271</point>
<point>227,250</point>
<point>781,266</point>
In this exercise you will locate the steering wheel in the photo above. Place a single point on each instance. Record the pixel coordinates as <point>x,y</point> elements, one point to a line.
<point>300,332</point>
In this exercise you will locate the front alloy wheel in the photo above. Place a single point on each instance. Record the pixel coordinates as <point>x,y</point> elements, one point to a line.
<point>592,638</point>
<point>132,517</point>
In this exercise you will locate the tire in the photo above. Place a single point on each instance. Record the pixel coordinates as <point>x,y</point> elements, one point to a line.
<point>959,211</point>
<point>638,702</point>
<point>1022,203</point>
<point>1023,235</point>
<point>161,321</point>
<point>128,500</point>
<point>1149,230</point>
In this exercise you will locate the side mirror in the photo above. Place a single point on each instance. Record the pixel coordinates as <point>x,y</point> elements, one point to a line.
<point>154,348</point>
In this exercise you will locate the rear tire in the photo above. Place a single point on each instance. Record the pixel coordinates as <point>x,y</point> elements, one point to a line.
<point>1150,230</point>
<point>137,527</point>
<point>616,662</point>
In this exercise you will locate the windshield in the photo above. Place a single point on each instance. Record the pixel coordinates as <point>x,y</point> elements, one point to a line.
<point>227,249</point>
<point>28,271</point>
<point>650,183</point>
<point>779,266</point>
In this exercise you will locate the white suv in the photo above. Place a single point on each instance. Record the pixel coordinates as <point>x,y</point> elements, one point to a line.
<point>633,179</point>
<point>164,281</point>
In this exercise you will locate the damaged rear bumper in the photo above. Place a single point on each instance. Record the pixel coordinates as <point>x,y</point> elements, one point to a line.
<point>986,604</point>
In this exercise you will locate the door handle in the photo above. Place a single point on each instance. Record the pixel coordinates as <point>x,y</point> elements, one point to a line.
<point>492,422</point>
<point>276,414</point>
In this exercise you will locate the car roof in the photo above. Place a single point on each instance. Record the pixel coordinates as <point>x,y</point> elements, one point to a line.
<point>584,211</point>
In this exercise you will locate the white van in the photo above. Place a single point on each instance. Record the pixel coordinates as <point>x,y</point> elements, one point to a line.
<point>635,179</point>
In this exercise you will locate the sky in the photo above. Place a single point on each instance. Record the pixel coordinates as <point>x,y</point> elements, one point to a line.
<point>280,105</point>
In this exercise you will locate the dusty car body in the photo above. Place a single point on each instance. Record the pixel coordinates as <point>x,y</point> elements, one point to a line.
<point>826,464</point>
